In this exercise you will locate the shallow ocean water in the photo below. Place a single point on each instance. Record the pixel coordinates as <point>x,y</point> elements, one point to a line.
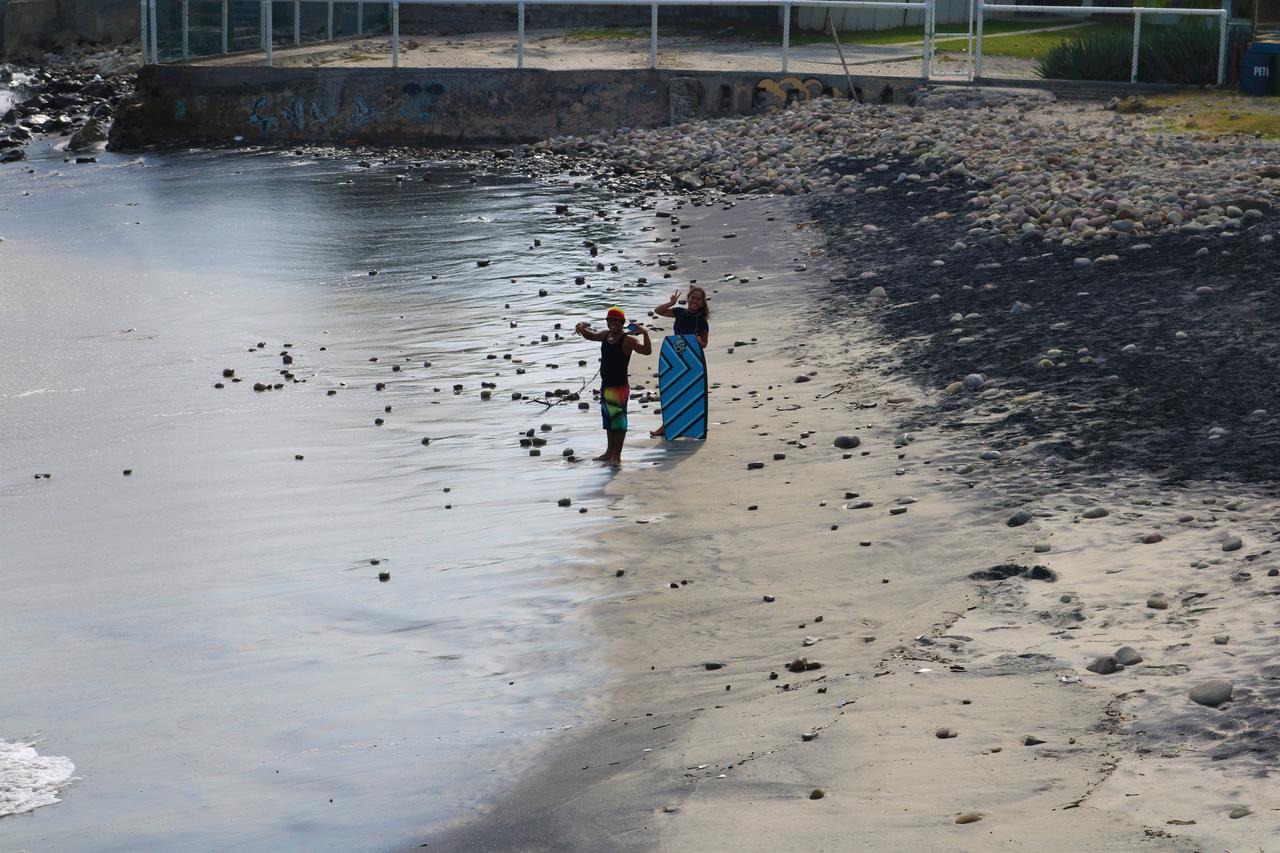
<point>207,638</point>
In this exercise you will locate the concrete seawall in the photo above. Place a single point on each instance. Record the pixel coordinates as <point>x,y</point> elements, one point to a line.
<point>448,106</point>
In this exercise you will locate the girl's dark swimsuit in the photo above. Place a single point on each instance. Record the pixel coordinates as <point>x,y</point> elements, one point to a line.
<point>688,323</point>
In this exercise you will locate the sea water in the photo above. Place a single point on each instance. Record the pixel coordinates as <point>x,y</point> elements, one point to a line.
<point>206,638</point>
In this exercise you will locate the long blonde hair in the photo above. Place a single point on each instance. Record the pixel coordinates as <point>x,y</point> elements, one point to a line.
<point>706,304</point>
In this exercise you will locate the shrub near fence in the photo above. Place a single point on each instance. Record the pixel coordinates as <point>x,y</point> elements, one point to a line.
<point>1186,53</point>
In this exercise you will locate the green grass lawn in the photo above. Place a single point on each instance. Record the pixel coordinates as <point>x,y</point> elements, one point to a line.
<point>608,34</point>
<point>1032,45</point>
<point>1001,38</point>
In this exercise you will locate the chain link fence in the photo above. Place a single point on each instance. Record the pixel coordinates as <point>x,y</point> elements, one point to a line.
<point>938,39</point>
<point>766,36</point>
<point>1180,45</point>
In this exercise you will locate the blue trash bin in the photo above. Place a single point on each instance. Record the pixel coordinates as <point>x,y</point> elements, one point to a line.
<point>1256,70</point>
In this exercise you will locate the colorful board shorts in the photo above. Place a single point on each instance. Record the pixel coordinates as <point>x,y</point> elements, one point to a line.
<point>613,407</point>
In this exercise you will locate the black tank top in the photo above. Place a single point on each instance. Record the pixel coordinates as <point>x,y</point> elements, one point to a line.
<point>613,363</point>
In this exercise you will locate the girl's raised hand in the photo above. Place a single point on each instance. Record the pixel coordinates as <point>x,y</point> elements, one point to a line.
<point>675,297</point>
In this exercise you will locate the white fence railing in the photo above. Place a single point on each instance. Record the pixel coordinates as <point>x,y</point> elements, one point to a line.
<point>1223,15</point>
<point>229,29</point>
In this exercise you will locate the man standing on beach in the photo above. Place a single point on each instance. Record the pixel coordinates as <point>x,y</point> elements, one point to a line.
<point>616,345</point>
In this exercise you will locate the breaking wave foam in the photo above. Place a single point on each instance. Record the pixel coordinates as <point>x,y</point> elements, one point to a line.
<point>29,780</point>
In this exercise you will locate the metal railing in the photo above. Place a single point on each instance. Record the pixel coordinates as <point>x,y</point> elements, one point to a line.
<point>1223,15</point>
<point>269,39</point>
<point>496,34</point>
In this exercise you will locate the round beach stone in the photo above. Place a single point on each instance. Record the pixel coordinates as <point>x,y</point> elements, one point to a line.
<point>1095,512</point>
<point>1019,518</point>
<point>1212,693</point>
<point>1128,656</point>
<point>847,442</point>
<point>1105,665</point>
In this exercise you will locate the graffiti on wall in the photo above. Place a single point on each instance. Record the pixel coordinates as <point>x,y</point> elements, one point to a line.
<point>418,102</point>
<point>268,114</point>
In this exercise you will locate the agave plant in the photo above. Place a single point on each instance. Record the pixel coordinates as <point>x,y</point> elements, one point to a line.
<point>1186,53</point>
<point>1097,56</point>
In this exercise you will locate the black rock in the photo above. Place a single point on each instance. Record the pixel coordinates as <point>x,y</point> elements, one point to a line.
<point>1105,665</point>
<point>847,442</point>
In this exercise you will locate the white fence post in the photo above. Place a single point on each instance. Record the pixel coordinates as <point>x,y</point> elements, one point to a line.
<point>155,42</point>
<point>1223,23</point>
<point>395,35</point>
<point>977,57</point>
<point>653,35</point>
<point>142,27</point>
<point>1137,39</point>
<point>268,12</point>
<point>926,67</point>
<point>226,19</point>
<point>520,34</point>
<point>786,33</point>
<point>186,29</point>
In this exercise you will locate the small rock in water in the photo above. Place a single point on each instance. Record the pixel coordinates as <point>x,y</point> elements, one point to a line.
<point>945,733</point>
<point>1221,639</point>
<point>1232,543</point>
<point>1158,602</point>
<point>847,442</point>
<point>1032,740</point>
<point>1239,812</point>
<point>1019,518</point>
<point>817,794</point>
<point>1095,512</point>
<point>974,381</point>
<point>384,576</point>
<point>769,599</point>
<point>1212,693</point>
<point>968,817</point>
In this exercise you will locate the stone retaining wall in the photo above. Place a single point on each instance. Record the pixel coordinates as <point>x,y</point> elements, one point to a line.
<point>445,107</point>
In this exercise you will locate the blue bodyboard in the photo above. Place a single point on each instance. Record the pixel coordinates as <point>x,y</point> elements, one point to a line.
<point>682,386</point>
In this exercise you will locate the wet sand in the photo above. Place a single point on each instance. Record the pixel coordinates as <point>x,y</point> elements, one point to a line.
<point>949,712</point>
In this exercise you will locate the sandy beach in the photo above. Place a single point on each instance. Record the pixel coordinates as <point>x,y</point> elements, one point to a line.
<point>977,554</point>
<point>948,637</point>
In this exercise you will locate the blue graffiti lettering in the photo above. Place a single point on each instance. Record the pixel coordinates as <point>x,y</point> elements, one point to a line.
<point>295,112</point>
<point>266,124</point>
<point>364,115</point>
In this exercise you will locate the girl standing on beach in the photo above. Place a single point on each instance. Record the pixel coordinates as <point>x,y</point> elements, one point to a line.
<point>689,321</point>
<point>616,346</point>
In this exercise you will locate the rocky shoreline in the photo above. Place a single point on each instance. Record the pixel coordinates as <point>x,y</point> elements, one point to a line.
<point>70,96</point>
<point>1033,169</point>
<point>1101,282</point>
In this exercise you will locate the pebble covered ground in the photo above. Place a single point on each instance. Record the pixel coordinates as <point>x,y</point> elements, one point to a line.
<point>73,96</point>
<point>1105,285</point>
